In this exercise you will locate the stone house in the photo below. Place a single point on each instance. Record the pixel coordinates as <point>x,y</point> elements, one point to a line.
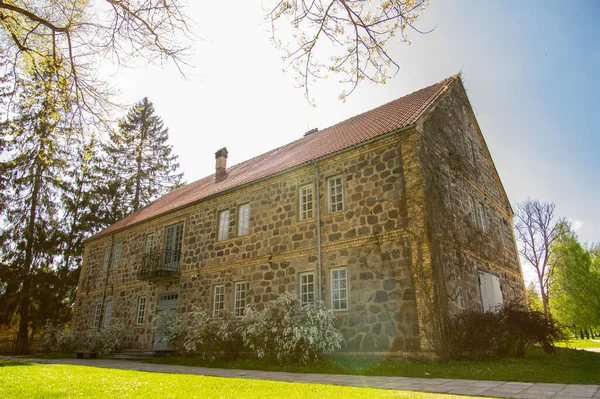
<point>395,218</point>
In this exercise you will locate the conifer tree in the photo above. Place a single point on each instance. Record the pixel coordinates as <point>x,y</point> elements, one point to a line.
<point>140,163</point>
<point>33,159</point>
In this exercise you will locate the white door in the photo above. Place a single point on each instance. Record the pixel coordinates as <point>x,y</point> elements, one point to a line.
<point>166,303</point>
<point>491,294</point>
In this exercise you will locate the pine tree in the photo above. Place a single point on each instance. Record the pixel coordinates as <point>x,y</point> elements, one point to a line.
<point>140,165</point>
<point>33,160</point>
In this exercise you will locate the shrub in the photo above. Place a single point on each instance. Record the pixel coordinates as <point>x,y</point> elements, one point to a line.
<point>105,341</point>
<point>172,330</point>
<point>228,334</point>
<point>506,331</point>
<point>289,331</point>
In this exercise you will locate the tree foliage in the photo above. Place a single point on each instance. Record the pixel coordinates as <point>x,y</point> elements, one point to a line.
<point>577,282</point>
<point>79,35</point>
<point>140,163</point>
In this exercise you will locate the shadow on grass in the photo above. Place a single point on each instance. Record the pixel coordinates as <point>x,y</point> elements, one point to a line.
<point>8,363</point>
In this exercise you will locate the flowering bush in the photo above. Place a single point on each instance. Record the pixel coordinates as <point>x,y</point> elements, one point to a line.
<point>105,341</point>
<point>172,329</point>
<point>289,331</point>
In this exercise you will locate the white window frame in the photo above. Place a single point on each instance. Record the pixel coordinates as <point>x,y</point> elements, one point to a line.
<point>141,310</point>
<point>335,190</point>
<point>107,314</point>
<point>106,257</point>
<point>223,227</point>
<point>306,202</point>
<point>97,315</point>
<point>239,298</point>
<point>243,219</point>
<point>339,289</point>
<point>117,255</point>
<point>491,291</point>
<point>460,300</point>
<point>482,217</point>
<point>307,288</point>
<point>149,243</point>
<point>218,300</point>
<point>473,210</point>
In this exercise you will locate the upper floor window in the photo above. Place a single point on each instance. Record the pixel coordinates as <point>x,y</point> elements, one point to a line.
<point>307,288</point>
<point>306,202</point>
<point>473,210</point>
<point>239,299</point>
<point>339,289</point>
<point>470,150</point>
<point>149,242</point>
<point>173,238</point>
<point>107,314</point>
<point>106,257</point>
<point>482,218</point>
<point>336,194</point>
<point>223,225</point>
<point>117,255</point>
<point>219,300</point>
<point>243,217</point>
<point>501,230</point>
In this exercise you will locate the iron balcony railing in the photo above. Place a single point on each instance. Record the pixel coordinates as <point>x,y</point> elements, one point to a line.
<point>159,263</point>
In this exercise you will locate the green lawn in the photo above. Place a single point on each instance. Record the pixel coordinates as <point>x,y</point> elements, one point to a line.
<point>567,366</point>
<point>580,343</point>
<point>26,380</point>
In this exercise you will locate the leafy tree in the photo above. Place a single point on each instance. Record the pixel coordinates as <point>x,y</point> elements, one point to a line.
<point>141,165</point>
<point>576,283</point>
<point>533,298</point>
<point>537,228</point>
<point>34,156</point>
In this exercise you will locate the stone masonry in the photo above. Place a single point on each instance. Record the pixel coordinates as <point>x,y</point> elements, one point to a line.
<point>395,237</point>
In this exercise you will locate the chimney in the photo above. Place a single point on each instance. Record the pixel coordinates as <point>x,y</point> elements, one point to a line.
<point>221,164</point>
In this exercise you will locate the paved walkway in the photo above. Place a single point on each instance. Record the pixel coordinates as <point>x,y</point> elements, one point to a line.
<point>501,389</point>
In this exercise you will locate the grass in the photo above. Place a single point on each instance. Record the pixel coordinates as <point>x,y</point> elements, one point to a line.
<point>26,380</point>
<point>567,366</point>
<point>580,343</point>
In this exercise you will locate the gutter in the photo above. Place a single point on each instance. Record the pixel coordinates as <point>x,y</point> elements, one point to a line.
<point>319,258</point>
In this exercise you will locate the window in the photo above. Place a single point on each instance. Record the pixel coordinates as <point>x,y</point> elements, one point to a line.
<point>307,288</point>
<point>173,238</point>
<point>470,150</point>
<point>306,202</point>
<point>482,218</point>
<point>239,299</point>
<point>501,230</point>
<point>149,243</point>
<point>460,298</point>
<point>223,225</point>
<point>473,211</point>
<point>117,255</point>
<point>243,216</point>
<point>219,300</point>
<point>141,310</point>
<point>107,314</point>
<point>97,315</point>
<point>491,293</point>
<point>336,194</point>
<point>106,257</point>
<point>339,289</point>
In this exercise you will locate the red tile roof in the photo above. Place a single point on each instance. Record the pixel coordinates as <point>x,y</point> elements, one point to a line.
<point>387,118</point>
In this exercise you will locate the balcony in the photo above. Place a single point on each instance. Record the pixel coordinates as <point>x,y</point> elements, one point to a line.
<point>160,263</point>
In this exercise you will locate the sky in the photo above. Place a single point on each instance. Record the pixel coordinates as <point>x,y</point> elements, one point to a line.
<point>531,70</point>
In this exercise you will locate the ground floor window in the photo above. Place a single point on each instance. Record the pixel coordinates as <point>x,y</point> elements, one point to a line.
<point>239,299</point>
<point>97,315</point>
<point>141,310</point>
<point>307,288</point>
<point>219,300</point>
<point>107,314</point>
<point>339,289</point>
<point>491,292</point>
